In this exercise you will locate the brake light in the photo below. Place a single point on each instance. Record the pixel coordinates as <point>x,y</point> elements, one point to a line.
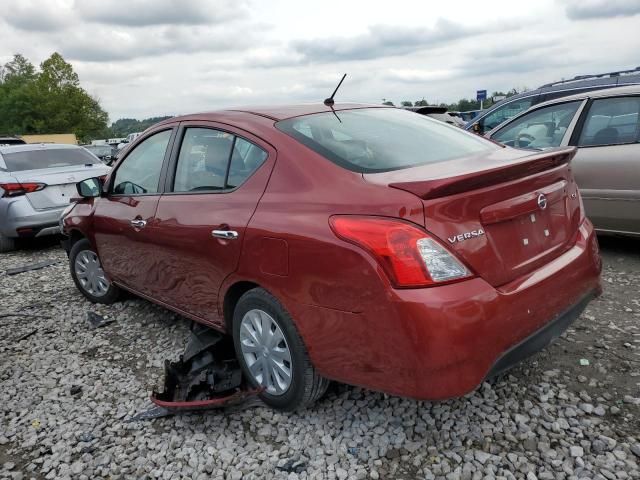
<point>16,189</point>
<point>409,256</point>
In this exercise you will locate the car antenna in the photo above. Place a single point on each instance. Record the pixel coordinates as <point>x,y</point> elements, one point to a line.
<point>329,101</point>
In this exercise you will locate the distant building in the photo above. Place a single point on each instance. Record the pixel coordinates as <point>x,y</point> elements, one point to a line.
<point>67,138</point>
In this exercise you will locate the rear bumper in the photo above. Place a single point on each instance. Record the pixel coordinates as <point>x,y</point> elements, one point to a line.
<point>19,219</point>
<point>442,342</point>
<point>540,339</point>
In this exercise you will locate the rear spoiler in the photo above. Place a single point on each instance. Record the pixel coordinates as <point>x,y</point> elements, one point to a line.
<point>441,187</point>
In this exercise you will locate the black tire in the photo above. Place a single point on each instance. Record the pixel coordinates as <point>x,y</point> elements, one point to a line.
<point>7,244</point>
<point>306,385</point>
<point>113,292</point>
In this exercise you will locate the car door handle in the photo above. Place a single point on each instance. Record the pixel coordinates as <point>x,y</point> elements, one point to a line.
<point>226,234</point>
<point>138,223</point>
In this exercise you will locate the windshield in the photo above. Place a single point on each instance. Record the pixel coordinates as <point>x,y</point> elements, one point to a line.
<point>47,158</point>
<point>381,139</point>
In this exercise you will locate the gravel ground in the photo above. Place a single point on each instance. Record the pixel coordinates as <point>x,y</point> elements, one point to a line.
<point>67,393</point>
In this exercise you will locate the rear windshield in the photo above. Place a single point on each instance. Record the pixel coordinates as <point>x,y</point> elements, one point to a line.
<point>47,158</point>
<point>382,139</point>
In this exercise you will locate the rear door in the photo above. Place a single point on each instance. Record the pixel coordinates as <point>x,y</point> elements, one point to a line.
<point>607,165</point>
<point>124,226</point>
<point>216,178</point>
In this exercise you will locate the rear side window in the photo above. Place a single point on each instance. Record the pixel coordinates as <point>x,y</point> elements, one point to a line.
<point>381,139</point>
<point>611,121</point>
<point>245,160</point>
<point>139,172</point>
<point>213,160</point>
<point>48,158</point>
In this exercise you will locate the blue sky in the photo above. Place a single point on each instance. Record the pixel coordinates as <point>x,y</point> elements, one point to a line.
<point>145,58</point>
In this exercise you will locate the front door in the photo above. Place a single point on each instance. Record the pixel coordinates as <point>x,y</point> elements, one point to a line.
<point>215,180</point>
<point>124,218</point>
<point>607,165</point>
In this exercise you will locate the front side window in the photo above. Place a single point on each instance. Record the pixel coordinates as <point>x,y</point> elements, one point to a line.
<point>373,140</point>
<point>505,112</point>
<point>543,128</point>
<point>611,121</point>
<point>212,160</point>
<point>139,172</point>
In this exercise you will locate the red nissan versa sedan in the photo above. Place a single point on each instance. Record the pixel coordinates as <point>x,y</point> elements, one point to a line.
<point>365,244</point>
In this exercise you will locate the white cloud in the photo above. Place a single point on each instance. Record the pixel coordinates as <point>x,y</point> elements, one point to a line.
<point>146,58</point>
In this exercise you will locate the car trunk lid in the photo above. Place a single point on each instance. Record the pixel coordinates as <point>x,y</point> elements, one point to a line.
<point>60,184</point>
<point>504,213</point>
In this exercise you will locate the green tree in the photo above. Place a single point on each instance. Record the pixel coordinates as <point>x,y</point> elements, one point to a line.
<point>406,103</point>
<point>421,103</point>
<point>50,100</point>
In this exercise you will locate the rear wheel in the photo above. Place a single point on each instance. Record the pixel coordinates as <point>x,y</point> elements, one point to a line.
<point>272,354</point>
<point>88,275</point>
<point>7,244</point>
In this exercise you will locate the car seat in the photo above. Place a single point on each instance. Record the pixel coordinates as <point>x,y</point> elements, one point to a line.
<point>606,136</point>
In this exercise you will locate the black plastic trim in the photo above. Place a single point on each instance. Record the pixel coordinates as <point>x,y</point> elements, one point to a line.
<point>541,338</point>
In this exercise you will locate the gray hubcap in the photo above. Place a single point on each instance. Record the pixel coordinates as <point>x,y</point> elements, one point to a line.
<point>90,273</point>
<point>265,351</point>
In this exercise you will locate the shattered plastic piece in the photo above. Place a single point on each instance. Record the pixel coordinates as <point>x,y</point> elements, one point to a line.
<point>206,376</point>
<point>35,423</point>
<point>97,321</point>
<point>151,413</point>
<point>584,362</point>
<point>33,266</point>
<point>75,389</point>
<point>26,335</point>
<point>293,466</point>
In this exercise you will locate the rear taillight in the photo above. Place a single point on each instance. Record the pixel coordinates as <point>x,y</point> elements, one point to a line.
<point>17,189</point>
<point>408,255</point>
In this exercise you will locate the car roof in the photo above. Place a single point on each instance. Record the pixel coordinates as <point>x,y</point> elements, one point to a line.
<point>608,92</point>
<point>29,147</point>
<point>273,112</point>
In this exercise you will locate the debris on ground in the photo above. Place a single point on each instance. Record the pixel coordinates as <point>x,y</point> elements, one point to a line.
<point>207,375</point>
<point>293,466</point>
<point>97,321</point>
<point>31,267</point>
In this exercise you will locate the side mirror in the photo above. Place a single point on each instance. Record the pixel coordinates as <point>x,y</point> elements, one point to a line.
<point>89,188</point>
<point>476,128</point>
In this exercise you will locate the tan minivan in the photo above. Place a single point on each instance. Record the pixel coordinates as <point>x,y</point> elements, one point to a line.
<point>605,127</point>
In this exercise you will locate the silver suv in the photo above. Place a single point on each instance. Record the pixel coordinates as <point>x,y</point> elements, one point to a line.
<point>36,184</point>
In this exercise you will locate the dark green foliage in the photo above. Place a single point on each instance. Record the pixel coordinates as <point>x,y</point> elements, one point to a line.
<point>125,126</point>
<point>48,100</point>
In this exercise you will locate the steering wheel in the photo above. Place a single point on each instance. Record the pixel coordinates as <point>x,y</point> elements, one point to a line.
<point>523,136</point>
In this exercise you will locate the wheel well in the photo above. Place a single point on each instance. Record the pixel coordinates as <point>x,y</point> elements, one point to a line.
<point>231,299</point>
<point>74,236</point>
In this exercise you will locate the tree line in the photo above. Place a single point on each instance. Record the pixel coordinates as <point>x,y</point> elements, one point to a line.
<point>462,105</point>
<point>47,100</point>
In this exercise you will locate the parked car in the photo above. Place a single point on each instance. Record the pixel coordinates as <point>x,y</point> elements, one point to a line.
<point>129,138</point>
<point>36,183</point>
<point>438,113</point>
<point>605,127</point>
<point>491,117</point>
<point>10,140</point>
<point>106,153</point>
<point>362,244</point>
